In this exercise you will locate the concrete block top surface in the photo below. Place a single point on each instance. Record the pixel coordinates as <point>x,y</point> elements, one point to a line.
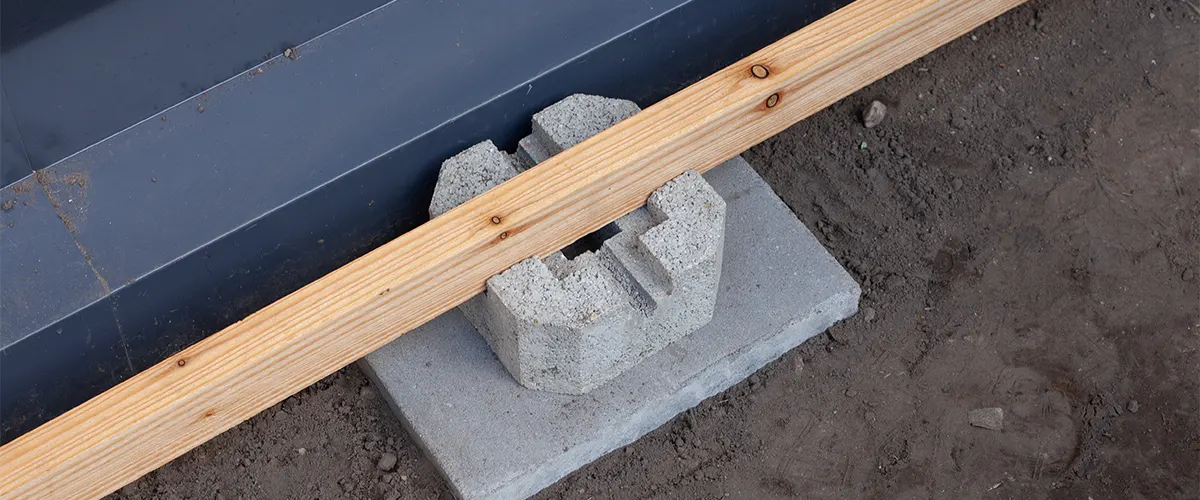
<point>532,293</point>
<point>685,236</point>
<point>469,174</point>
<point>576,118</point>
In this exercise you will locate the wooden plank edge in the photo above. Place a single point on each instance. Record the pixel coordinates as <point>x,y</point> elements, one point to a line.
<point>225,379</point>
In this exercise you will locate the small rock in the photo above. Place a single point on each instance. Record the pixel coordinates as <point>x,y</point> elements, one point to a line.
<point>987,418</point>
<point>1188,275</point>
<point>956,184</point>
<point>291,53</point>
<point>8,205</point>
<point>874,114</point>
<point>404,478</point>
<point>1133,406</point>
<point>851,392</point>
<point>366,393</point>
<point>301,451</point>
<point>869,314</point>
<point>387,462</point>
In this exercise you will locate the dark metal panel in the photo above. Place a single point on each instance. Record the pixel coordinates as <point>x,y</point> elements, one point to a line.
<point>77,72</point>
<point>24,20</point>
<point>51,372</point>
<point>290,126</point>
<point>14,165</point>
<point>327,227</point>
<point>251,268</point>
<point>43,275</point>
<point>202,218</point>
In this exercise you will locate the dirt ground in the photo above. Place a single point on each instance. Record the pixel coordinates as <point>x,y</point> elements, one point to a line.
<point>1026,227</point>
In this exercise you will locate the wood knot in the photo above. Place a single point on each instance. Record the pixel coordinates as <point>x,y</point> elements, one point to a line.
<point>773,100</point>
<point>760,71</point>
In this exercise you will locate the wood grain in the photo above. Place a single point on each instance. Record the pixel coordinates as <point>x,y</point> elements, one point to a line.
<point>221,381</point>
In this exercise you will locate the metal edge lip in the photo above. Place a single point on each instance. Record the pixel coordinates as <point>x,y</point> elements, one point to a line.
<point>222,83</point>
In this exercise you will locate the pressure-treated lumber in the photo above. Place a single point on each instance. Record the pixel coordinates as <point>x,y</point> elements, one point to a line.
<point>187,399</point>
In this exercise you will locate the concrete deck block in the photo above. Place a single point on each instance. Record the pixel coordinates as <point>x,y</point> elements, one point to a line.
<point>557,334</point>
<point>673,264</point>
<point>494,439</point>
<point>570,325</point>
<point>530,152</point>
<point>469,174</point>
<point>577,117</point>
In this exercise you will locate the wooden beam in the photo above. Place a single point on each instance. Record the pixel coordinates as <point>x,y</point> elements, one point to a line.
<point>225,379</point>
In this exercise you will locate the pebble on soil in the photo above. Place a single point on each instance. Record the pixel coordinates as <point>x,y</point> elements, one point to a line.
<point>987,418</point>
<point>874,114</point>
<point>387,462</point>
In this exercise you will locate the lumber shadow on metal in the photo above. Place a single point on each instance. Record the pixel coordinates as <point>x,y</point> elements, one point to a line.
<point>229,201</point>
